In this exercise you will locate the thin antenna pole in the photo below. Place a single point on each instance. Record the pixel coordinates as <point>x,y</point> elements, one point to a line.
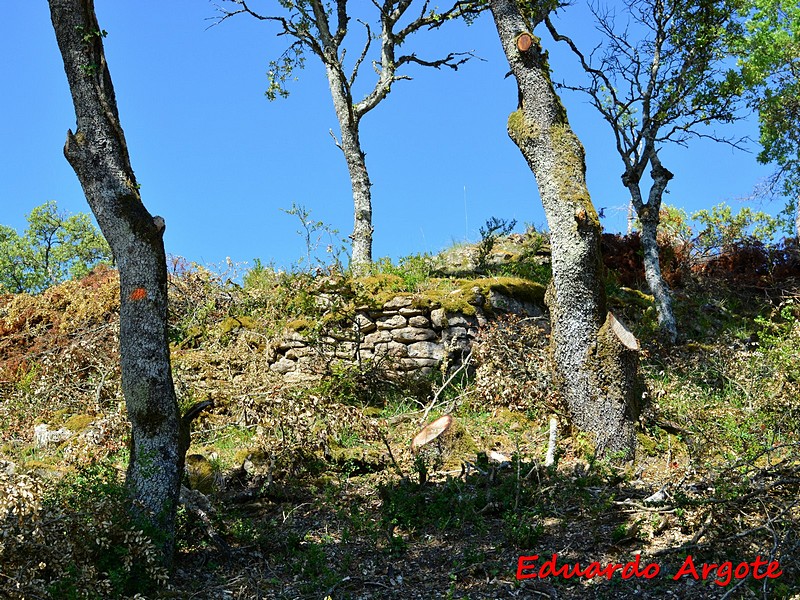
<point>466,216</point>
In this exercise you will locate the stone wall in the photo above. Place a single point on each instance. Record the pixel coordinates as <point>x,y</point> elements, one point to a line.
<point>407,335</point>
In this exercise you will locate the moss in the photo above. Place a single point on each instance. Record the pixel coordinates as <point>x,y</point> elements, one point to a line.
<point>376,290</point>
<point>519,128</point>
<point>359,460</point>
<point>571,175</point>
<point>635,297</point>
<point>232,323</point>
<point>254,455</point>
<point>649,445</point>
<point>200,473</point>
<point>58,418</point>
<point>519,289</point>
<point>698,347</point>
<point>299,325</point>
<point>452,300</point>
<point>78,422</point>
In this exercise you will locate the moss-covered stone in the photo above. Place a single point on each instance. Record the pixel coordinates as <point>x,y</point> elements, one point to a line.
<point>233,323</point>
<point>200,473</point>
<point>300,325</point>
<point>519,289</point>
<point>78,423</point>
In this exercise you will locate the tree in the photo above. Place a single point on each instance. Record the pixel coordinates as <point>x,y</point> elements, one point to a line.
<point>596,358</point>
<point>768,50</point>
<point>656,83</point>
<point>54,247</point>
<point>323,31</point>
<point>99,155</point>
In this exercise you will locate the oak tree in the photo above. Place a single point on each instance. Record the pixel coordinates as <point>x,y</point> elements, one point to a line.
<point>53,248</point>
<point>768,50</point>
<point>656,82</point>
<point>98,153</point>
<point>596,358</point>
<point>323,30</point>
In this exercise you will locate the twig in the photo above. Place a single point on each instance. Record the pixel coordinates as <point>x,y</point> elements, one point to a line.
<point>391,454</point>
<point>432,403</point>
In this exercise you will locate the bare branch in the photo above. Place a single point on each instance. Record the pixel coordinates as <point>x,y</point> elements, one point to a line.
<point>363,55</point>
<point>452,60</point>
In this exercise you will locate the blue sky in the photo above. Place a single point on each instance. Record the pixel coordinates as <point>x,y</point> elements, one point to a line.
<point>218,161</point>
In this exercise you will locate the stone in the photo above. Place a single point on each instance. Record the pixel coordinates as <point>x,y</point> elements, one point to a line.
<point>411,364</point>
<point>395,349</point>
<point>285,345</point>
<point>504,303</point>
<point>410,311</point>
<point>439,318</point>
<point>376,338</point>
<point>479,299</point>
<point>426,350</point>
<point>363,324</point>
<point>459,320</point>
<point>453,333</point>
<point>413,334</point>
<point>284,365</point>
<point>393,322</point>
<point>42,436</point>
<point>419,321</point>
<point>399,302</point>
<point>297,353</point>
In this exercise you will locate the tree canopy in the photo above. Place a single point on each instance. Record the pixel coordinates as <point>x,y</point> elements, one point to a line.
<point>54,247</point>
<point>768,48</point>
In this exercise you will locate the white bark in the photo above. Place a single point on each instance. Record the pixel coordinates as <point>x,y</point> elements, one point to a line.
<point>350,145</point>
<point>649,216</point>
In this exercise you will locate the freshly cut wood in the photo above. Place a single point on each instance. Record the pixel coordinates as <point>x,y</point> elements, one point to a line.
<point>623,333</point>
<point>430,432</point>
<point>524,42</point>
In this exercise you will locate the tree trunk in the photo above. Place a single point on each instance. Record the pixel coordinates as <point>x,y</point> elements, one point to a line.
<point>797,219</point>
<point>98,153</point>
<point>361,256</point>
<point>649,216</point>
<point>595,359</point>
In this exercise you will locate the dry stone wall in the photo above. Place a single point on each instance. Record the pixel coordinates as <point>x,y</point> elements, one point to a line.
<point>404,337</point>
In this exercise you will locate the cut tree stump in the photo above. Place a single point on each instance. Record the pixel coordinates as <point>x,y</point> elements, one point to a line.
<point>443,443</point>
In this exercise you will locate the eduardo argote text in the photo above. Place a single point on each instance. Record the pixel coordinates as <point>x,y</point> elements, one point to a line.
<point>529,567</point>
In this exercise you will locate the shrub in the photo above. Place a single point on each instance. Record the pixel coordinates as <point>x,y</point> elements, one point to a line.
<point>512,370</point>
<point>73,539</point>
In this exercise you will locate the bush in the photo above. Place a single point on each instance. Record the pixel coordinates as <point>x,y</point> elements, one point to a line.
<point>74,539</point>
<point>511,354</point>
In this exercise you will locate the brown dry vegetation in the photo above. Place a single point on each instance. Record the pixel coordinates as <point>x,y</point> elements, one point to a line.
<point>311,491</point>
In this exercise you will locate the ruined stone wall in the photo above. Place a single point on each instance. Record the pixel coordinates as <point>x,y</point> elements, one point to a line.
<point>403,337</point>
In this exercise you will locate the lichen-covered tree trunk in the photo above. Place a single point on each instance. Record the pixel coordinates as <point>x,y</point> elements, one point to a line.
<point>595,357</point>
<point>649,218</point>
<point>98,153</point>
<point>350,145</point>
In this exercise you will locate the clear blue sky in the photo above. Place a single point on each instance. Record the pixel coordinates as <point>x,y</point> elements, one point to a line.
<point>218,161</point>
